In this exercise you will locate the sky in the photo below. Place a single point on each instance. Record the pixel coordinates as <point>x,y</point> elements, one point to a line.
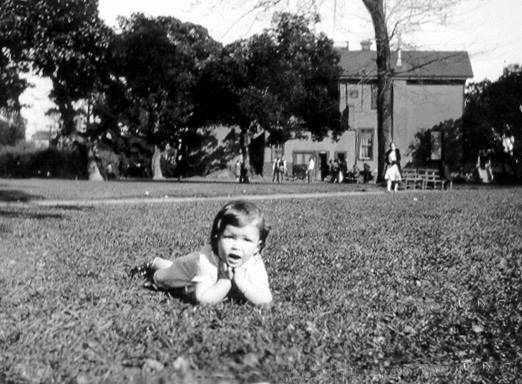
<point>488,30</point>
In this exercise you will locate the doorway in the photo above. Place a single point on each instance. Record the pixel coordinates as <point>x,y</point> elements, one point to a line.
<point>323,165</point>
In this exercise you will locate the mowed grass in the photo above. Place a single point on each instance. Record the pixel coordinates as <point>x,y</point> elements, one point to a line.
<point>409,288</point>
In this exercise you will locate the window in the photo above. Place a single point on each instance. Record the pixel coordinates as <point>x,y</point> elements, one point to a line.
<point>302,158</point>
<point>374,96</point>
<point>300,163</point>
<point>365,143</point>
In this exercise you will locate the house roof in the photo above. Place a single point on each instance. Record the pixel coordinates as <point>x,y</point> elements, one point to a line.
<point>416,65</point>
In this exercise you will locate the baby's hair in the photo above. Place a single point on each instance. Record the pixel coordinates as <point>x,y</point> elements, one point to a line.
<point>238,213</point>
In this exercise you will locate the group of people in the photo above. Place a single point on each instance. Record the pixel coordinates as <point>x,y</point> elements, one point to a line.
<point>279,170</point>
<point>337,170</point>
<point>241,172</point>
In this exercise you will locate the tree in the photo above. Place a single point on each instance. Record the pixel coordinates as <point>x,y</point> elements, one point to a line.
<point>11,59</point>
<point>12,130</point>
<point>156,65</point>
<point>493,114</point>
<point>66,41</point>
<point>384,81</point>
<point>404,16</point>
<point>477,132</point>
<point>451,145</point>
<point>282,81</point>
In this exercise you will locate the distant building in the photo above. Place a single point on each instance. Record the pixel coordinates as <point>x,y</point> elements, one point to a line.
<point>41,139</point>
<point>428,88</point>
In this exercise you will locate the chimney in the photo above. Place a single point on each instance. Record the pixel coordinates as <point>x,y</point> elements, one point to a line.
<point>399,50</point>
<point>347,45</point>
<point>366,45</point>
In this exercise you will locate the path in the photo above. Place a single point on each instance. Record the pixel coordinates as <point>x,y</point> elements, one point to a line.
<point>167,199</point>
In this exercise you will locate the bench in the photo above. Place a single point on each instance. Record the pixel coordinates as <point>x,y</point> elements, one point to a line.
<point>411,179</point>
<point>424,178</point>
<point>433,179</point>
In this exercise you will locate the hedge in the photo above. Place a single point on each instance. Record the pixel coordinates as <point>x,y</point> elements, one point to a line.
<point>23,161</point>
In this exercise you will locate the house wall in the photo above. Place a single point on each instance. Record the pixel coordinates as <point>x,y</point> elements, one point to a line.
<point>357,98</point>
<point>417,107</point>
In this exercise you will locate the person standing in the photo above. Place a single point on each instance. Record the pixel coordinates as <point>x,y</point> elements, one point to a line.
<point>310,169</point>
<point>334,171</point>
<point>237,169</point>
<point>342,170</point>
<point>393,168</point>
<point>276,170</point>
<point>283,171</point>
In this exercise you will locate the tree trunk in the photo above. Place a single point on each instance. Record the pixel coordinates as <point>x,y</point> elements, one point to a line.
<point>384,82</point>
<point>157,174</point>
<point>244,140</point>
<point>64,104</point>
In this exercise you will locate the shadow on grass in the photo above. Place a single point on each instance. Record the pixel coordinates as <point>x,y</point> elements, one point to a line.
<point>29,214</point>
<point>11,195</point>
<point>40,213</point>
<point>77,208</point>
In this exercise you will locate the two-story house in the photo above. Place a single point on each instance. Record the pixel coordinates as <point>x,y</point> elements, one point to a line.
<point>427,88</point>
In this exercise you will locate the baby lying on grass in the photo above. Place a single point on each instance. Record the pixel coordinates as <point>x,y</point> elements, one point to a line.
<point>230,266</point>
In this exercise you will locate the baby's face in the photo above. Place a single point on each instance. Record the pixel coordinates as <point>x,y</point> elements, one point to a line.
<point>237,245</point>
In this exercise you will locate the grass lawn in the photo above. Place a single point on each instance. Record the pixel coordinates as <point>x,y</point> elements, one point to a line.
<point>38,189</point>
<point>404,288</point>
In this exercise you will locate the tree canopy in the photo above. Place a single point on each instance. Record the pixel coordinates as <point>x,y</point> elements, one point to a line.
<point>282,81</point>
<point>493,112</point>
<point>65,41</point>
<point>157,63</point>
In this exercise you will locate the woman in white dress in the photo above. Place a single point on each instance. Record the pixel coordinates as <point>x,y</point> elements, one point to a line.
<point>393,169</point>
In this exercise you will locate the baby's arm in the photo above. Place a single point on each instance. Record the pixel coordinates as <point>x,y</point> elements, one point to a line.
<point>253,285</point>
<point>213,293</point>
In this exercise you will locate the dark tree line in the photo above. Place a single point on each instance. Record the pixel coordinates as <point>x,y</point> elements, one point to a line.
<point>156,80</point>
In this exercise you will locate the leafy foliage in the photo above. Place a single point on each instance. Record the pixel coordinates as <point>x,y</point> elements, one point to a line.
<point>64,40</point>
<point>452,144</point>
<point>282,81</point>
<point>493,111</point>
<point>11,57</point>
<point>301,71</point>
<point>156,64</point>
<point>27,161</point>
<point>12,132</point>
<point>432,298</point>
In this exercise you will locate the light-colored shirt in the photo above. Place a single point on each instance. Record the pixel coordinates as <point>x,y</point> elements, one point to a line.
<point>202,267</point>
<point>311,165</point>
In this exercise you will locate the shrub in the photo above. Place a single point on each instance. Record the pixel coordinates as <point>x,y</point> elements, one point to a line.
<point>11,134</point>
<point>27,161</point>
<point>451,141</point>
<point>109,163</point>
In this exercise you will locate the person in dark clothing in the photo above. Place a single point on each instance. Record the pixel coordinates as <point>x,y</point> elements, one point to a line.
<point>393,168</point>
<point>445,174</point>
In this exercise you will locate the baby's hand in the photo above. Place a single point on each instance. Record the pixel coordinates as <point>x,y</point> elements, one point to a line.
<point>225,271</point>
